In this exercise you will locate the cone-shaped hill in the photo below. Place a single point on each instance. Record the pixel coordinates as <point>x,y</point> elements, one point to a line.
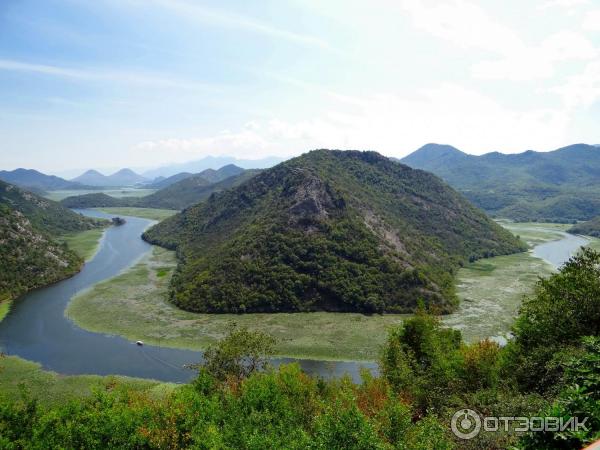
<point>329,230</point>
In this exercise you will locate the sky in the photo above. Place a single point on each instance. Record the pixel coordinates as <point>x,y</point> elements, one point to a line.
<point>142,83</point>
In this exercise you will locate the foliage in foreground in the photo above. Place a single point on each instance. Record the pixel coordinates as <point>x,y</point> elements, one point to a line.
<point>427,373</point>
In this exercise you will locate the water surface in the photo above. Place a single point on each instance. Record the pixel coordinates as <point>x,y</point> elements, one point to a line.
<point>37,329</point>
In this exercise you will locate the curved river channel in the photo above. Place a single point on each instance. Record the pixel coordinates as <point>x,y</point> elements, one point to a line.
<point>37,329</point>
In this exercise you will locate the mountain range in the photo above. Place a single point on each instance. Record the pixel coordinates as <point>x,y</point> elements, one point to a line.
<point>178,195</point>
<point>329,230</point>
<point>124,177</point>
<point>36,181</point>
<point>211,162</point>
<point>30,256</point>
<point>560,185</point>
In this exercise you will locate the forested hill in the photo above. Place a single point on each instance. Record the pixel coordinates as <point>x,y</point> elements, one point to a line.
<point>559,185</point>
<point>46,215</point>
<point>29,255</point>
<point>589,228</point>
<point>177,196</point>
<point>329,230</point>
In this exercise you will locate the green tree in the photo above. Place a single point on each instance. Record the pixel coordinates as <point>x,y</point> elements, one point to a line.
<point>238,355</point>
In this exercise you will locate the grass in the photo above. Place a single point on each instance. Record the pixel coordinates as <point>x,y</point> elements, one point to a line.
<point>84,243</point>
<point>114,192</point>
<point>145,213</point>
<point>18,375</point>
<point>134,304</point>
<point>4,308</point>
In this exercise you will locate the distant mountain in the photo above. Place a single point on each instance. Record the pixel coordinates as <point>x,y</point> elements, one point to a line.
<point>224,172</point>
<point>177,196</point>
<point>192,190</point>
<point>329,230</point>
<point>560,185</point>
<point>210,175</point>
<point>29,255</point>
<point>34,180</point>
<point>162,182</point>
<point>211,162</point>
<point>124,177</point>
<point>91,177</point>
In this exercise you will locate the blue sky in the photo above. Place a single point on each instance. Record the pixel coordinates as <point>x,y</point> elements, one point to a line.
<point>139,83</point>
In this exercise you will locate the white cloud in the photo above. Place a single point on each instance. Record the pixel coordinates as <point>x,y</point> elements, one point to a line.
<point>117,76</point>
<point>205,15</point>
<point>569,4</point>
<point>389,123</point>
<point>467,25</point>
<point>582,89</point>
<point>528,63</point>
<point>591,20</point>
<point>462,23</point>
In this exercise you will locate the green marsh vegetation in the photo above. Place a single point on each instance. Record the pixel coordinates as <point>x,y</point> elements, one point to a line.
<point>136,305</point>
<point>84,243</point>
<point>18,377</point>
<point>113,192</point>
<point>550,368</point>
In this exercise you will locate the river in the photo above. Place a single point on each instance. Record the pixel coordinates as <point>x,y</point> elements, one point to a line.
<point>37,329</point>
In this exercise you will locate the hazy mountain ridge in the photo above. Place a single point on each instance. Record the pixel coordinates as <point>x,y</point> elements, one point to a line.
<point>329,230</point>
<point>177,196</point>
<point>210,162</point>
<point>123,177</point>
<point>559,185</point>
<point>35,180</point>
<point>163,182</point>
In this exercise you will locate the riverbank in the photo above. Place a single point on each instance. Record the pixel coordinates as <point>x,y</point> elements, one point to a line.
<point>84,243</point>
<point>51,388</point>
<point>134,305</point>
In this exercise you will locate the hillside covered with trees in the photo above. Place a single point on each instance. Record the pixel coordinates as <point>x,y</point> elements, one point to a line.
<point>329,230</point>
<point>560,185</point>
<point>30,257</point>
<point>549,369</point>
<point>177,195</point>
<point>589,228</point>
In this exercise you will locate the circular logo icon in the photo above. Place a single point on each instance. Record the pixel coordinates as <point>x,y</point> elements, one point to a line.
<point>466,424</point>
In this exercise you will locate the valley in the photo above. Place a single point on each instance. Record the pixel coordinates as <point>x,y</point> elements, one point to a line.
<point>134,304</point>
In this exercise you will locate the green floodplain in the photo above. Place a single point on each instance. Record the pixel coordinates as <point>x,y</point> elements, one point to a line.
<point>113,192</point>
<point>135,305</point>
